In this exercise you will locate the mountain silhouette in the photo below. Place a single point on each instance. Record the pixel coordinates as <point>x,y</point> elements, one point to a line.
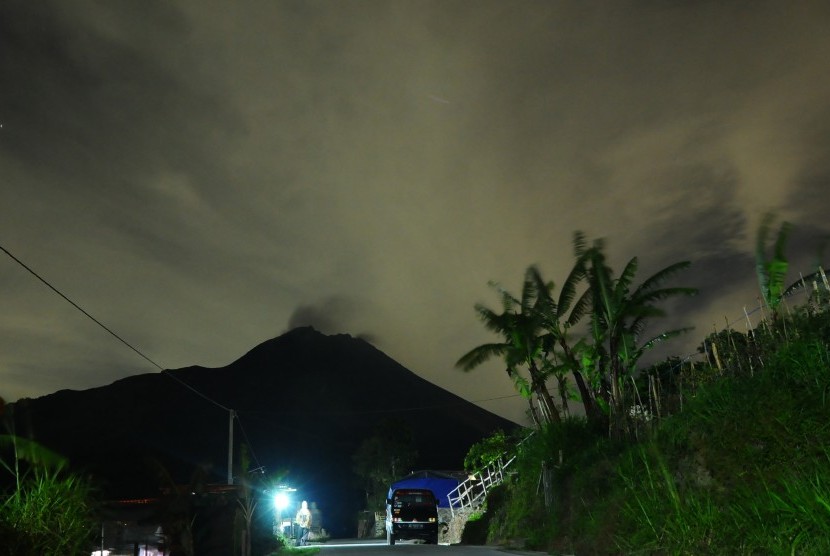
<point>305,401</point>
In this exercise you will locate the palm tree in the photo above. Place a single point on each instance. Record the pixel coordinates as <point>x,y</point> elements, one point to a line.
<point>773,271</point>
<point>383,458</point>
<point>558,316</point>
<point>619,316</point>
<point>523,345</point>
<point>247,502</point>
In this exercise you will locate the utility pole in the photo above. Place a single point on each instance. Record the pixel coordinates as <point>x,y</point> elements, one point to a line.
<point>231,415</point>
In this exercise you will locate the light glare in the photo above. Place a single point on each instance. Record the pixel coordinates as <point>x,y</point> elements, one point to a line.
<point>281,500</point>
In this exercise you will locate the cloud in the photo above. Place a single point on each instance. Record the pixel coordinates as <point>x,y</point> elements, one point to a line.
<point>333,315</point>
<point>201,179</point>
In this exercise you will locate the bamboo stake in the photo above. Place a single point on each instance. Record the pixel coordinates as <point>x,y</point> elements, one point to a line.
<point>824,280</point>
<point>749,330</point>
<point>717,359</point>
<point>764,321</point>
<point>706,350</point>
<point>654,383</point>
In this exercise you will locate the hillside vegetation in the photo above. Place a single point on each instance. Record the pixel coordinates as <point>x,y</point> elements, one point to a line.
<point>730,455</point>
<point>743,469</point>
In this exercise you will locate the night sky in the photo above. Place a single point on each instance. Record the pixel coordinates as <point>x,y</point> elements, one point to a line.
<point>203,176</point>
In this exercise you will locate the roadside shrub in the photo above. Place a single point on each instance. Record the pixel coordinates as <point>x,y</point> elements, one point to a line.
<point>44,509</point>
<point>47,515</point>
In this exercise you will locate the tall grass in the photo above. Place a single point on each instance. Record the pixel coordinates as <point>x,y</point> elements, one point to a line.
<point>48,515</point>
<point>45,510</point>
<point>743,469</point>
<point>789,516</point>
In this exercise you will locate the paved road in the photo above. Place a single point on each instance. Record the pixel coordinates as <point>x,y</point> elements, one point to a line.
<point>404,548</point>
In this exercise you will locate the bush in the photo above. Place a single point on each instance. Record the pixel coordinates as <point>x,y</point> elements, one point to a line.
<point>48,514</point>
<point>46,511</point>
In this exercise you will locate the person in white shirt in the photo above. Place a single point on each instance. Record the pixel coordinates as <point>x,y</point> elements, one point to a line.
<point>303,520</point>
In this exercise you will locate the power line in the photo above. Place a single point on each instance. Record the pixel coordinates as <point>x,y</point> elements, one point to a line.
<point>78,307</point>
<point>105,327</point>
<point>167,373</point>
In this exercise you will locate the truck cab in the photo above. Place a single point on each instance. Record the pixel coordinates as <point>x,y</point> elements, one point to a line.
<point>411,513</point>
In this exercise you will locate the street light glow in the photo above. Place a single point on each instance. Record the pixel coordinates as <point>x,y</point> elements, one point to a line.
<point>281,501</point>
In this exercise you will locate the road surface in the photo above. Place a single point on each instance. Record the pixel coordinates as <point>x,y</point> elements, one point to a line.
<point>407,548</point>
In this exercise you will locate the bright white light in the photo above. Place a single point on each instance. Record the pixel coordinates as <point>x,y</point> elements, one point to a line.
<point>281,501</point>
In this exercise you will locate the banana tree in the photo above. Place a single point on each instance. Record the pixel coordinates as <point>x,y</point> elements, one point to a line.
<point>619,315</point>
<point>523,347</point>
<point>772,272</point>
<point>558,316</point>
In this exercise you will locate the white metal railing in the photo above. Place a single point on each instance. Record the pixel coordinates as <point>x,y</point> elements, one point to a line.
<point>471,493</point>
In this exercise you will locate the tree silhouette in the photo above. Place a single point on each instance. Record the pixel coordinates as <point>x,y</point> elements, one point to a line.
<point>772,271</point>
<point>521,327</point>
<point>619,315</point>
<point>383,458</point>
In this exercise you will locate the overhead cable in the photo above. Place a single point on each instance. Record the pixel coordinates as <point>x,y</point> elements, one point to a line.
<point>105,327</point>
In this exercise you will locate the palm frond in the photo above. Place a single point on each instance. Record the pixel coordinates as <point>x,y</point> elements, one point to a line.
<point>661,276</point>
<point>627,275</point>
<point>481,354</point>
<point>781,240</point>
<point>665,336</point>
<point>761,253</point>
<point>495,322</point>
<point>521,385</point>
<point>771,272</point>
<point>529,289</point>
<point>641,317</point>
<point>541,289</point>
<point>508,301</point>
<point>579,244</point>
<point>567,292</point>
<point>32,452</point>
<point>580,308</point>
<point>602,284</point>
<point>644,297</point>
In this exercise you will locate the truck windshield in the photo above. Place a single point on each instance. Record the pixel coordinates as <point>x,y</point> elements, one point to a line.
<point>413,499</point>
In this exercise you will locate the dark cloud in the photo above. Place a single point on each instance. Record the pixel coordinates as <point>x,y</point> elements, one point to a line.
<point>198,177</point>
<point>333,315</point>
<point>100,116</point>
<point>806,200</point>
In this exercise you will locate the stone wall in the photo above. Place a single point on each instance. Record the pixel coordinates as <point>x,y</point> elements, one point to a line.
<point>455,524</point>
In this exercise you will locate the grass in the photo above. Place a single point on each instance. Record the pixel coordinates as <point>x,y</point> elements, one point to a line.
<point>296,550</point>
<point>44,509</point>
<point>744,469</point>
<point>47,514</point>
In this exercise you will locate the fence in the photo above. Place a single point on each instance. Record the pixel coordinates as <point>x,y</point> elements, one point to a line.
<point>731,350</point>
<point>471,493</point>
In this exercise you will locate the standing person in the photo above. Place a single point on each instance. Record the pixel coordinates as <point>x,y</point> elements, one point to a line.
<point>303,520</point>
